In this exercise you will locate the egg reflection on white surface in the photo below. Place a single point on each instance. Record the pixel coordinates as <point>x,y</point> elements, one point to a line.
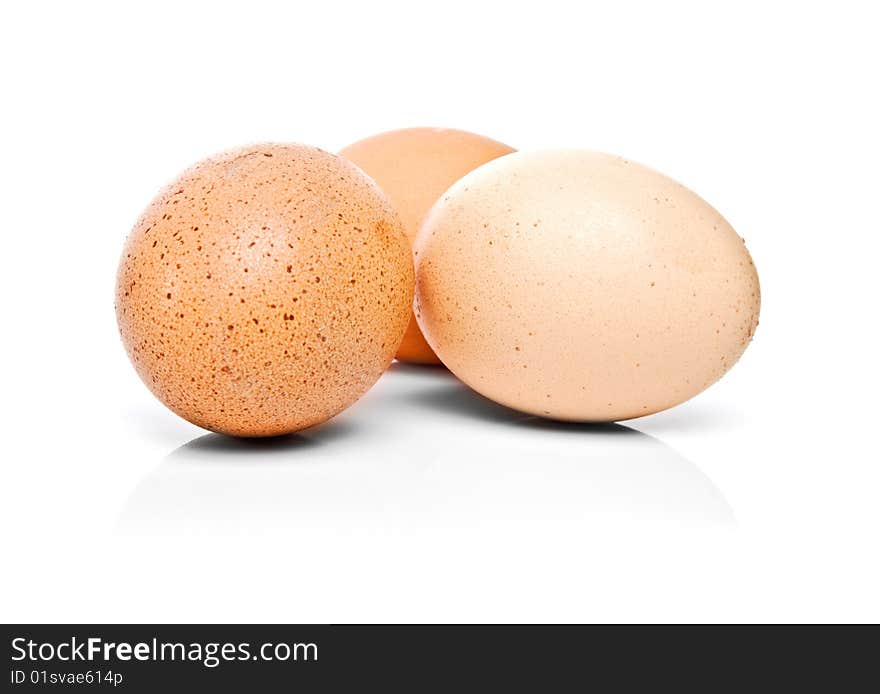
<point>352,478</point>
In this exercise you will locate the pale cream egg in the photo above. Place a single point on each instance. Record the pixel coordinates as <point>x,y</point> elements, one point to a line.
<point>581,286</point>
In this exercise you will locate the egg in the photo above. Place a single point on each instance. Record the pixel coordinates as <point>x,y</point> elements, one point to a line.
<point>581,286</point>
<point>414,167</point>
<point>264,290</point>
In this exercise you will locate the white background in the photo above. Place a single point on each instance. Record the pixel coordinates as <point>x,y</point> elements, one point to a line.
<point>757,500</point>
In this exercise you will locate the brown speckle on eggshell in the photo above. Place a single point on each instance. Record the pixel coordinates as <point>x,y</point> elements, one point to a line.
<point>265,290</point>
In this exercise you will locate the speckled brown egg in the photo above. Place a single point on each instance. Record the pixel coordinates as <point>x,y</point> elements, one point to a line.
<point>581,286</point>
<point>265,290</point>
<point>414,167</point>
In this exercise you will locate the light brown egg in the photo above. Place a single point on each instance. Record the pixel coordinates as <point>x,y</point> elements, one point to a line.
<point>414,167</point>
<point>265,290</point>
<point>581,286</point>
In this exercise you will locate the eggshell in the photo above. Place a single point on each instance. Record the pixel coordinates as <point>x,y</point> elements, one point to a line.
<point>414,167</point>
<point>265,290</point>
<point>582,286</point>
